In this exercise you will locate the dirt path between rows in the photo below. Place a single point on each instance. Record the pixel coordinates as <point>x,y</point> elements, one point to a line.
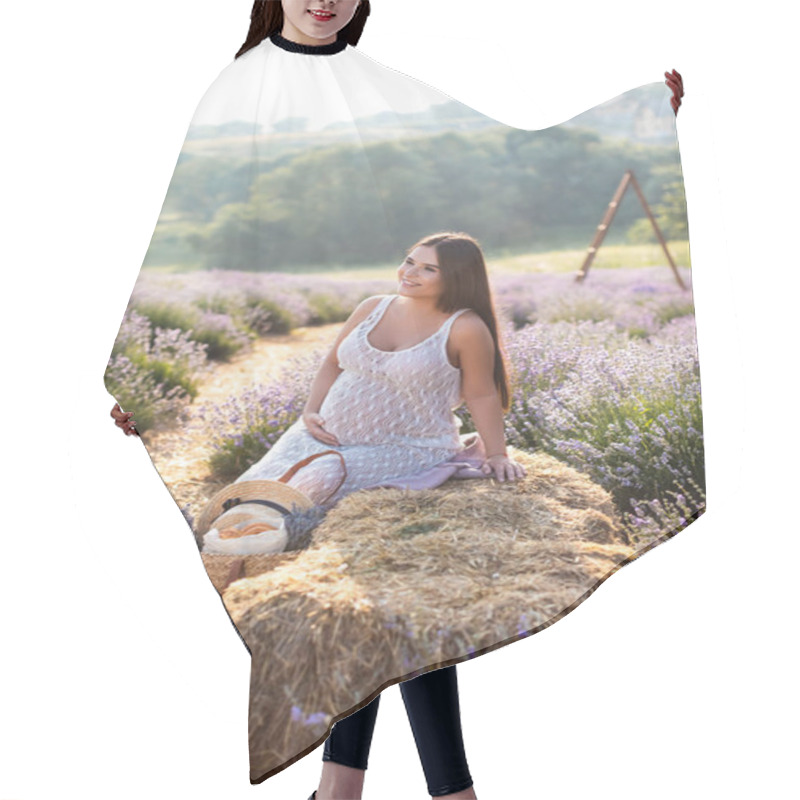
<point>180,455</point>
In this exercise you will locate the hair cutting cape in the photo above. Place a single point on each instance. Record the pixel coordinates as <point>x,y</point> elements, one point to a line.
<point>306,177</point>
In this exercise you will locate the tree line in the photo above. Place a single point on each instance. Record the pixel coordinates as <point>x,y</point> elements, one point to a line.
<point>350,205</point>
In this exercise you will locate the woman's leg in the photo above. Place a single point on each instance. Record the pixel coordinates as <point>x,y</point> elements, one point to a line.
<point>346,753</point>
<point>433,710</point>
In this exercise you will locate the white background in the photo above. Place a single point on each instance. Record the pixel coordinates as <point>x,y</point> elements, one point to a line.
<point>120,673</point>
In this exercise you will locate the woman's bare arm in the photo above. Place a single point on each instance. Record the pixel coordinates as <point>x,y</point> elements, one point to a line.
<point>475,347</point>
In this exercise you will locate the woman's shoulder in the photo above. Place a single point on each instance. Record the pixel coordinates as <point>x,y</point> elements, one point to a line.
<point>369,304</point>
<point>469,327</point>
<point>469,318</point>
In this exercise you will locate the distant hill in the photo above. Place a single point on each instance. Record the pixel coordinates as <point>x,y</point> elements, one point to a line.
<point>637,115</point>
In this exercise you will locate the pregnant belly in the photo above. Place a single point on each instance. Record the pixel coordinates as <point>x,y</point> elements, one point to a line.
<point>340,415</point>
<point>356,416</point>
<point>349,426</point>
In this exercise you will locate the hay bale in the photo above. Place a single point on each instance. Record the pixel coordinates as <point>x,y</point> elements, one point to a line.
<point>396,582</point>
<point>224,569</point>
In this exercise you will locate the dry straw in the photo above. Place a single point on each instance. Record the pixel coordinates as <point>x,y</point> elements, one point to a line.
<point>397,581</point>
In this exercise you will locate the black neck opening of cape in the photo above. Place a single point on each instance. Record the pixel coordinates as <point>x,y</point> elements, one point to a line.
<point>308,49</point>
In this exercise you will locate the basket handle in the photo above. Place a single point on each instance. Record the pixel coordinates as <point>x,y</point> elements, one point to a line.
<point>300,464</point>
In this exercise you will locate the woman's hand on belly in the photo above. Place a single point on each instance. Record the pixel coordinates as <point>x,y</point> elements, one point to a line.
<point>315,425</point>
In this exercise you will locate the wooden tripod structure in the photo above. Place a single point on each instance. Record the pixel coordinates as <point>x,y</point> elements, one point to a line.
<point>600,233</point>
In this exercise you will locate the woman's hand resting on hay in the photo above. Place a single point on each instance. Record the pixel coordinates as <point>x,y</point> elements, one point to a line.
<point>314,423</point>
<point>123,420</point>
<point>503,467</point>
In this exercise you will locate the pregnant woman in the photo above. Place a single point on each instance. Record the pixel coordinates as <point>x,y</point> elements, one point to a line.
<point>384,395</point>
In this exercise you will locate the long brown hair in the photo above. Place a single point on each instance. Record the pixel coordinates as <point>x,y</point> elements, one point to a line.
<point>466,285</point>
<point>266,18</point>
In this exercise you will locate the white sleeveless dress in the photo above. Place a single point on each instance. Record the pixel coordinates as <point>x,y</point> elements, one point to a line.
<point>392,412</point>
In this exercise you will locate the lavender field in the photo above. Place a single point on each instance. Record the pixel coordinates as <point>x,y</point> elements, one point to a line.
<point>604,374</point>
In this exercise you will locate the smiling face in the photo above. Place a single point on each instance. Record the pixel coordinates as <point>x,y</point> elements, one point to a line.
<point>316,21</point>
<point>419,275</point>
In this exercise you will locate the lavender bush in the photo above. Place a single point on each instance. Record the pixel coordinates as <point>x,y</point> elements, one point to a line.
<point>259,303</point>
<point>638,301</point>
<point>653,519</point>
<point>244,427</point>
<point>217,331</point>
<point>153,371</point>
<point>625,411</point>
